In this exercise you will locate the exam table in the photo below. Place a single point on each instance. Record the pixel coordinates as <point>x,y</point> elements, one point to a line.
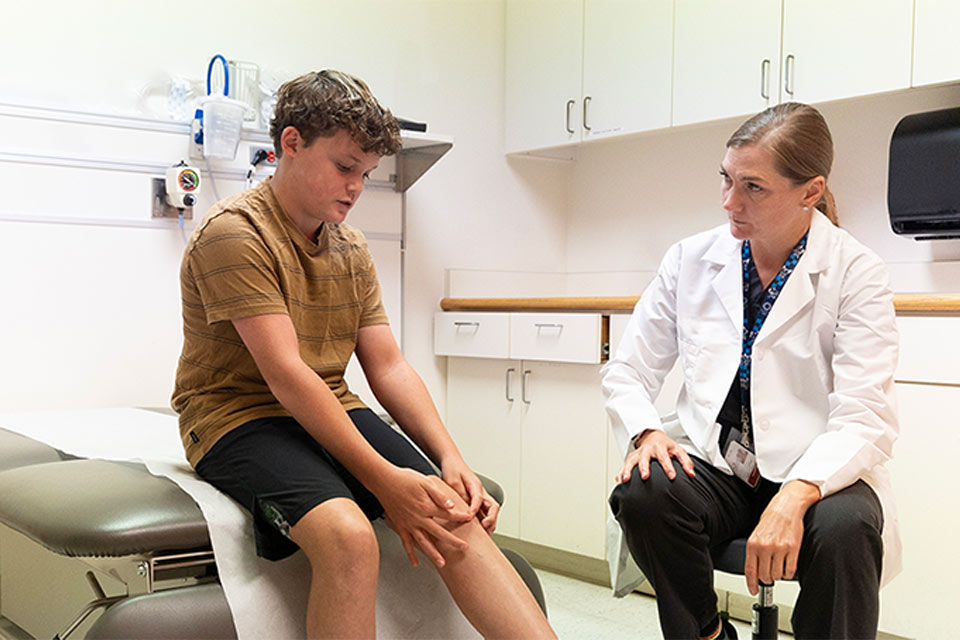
<point>133,529</point>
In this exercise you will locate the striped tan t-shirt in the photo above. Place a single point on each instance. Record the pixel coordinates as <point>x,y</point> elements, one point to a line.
<point>246,259</point>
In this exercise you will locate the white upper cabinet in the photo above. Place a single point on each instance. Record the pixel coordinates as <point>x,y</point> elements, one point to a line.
<point>585,69</point>
<point>578,70</point>
<point>544,41</point>
<point>627,48</point>
<point>834,50</point>
<point>726,58</point>
<point>936,51</point>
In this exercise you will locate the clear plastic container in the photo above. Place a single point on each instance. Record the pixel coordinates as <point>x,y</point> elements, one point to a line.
<point>222,121</point>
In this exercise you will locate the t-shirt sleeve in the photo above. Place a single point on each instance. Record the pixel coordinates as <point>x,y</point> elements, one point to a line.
<point>371,299</point>
<point>235,274</point>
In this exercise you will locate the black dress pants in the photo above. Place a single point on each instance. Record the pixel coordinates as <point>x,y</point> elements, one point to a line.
<point>670,527</point>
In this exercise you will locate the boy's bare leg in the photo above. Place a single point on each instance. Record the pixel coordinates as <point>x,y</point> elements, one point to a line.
<point>488,589</point>
<point>345,559</point>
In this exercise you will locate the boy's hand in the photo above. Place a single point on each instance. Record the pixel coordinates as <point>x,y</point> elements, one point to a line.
<point>465,482</point>
<point>414,506</point>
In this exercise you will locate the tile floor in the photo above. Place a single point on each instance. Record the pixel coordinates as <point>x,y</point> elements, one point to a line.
<point>583,611</point>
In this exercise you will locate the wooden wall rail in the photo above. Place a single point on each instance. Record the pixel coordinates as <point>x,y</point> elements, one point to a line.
<point>912,303</point>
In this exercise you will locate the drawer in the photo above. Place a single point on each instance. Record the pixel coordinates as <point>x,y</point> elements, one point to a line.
<point>477,335</point>
<point>929,349</point>
<point>557,337</point>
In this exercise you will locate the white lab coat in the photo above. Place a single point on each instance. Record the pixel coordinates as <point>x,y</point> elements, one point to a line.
<point>822,370</point>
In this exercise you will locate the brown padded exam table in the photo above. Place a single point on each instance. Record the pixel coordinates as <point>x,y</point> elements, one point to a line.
<point>139,533</point>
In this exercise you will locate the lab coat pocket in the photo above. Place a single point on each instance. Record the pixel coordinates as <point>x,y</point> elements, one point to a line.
<point>689,357</point>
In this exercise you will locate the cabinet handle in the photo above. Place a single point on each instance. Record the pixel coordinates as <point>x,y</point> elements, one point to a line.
<point>466,324</point>
<point>523,386</point>
<point>548,325</point>
<point>586,101</point>
<point>506,391</point>
<point>765,79</point>
<point>789,69</point>
<point>570,104</point>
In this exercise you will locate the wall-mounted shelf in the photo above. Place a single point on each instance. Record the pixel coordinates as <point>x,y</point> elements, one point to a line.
<point>420,150</point>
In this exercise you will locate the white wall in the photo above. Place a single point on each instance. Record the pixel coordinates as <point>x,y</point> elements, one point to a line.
<point>633,198</point>
<point>438,61</point>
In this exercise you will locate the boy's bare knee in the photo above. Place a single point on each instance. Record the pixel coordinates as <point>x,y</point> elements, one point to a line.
<point>337,536</point>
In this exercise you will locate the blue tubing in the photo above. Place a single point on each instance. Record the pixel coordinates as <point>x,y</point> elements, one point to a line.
<point>226,74</point>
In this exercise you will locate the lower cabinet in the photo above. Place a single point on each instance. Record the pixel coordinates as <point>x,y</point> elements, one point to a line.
<point>921,601</point>
<point>539,429</point>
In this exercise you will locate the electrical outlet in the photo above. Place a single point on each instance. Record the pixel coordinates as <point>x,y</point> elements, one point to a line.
<point>159,206</point>
<point>269,161</point>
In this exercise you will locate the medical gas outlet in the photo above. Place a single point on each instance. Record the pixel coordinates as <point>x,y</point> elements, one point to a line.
<point>176,193</point>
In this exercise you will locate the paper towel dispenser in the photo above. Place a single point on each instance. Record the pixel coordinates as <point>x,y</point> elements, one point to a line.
<point>923,190</point>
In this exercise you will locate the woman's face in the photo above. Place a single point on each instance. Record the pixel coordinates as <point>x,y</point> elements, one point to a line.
<point>761,204</point>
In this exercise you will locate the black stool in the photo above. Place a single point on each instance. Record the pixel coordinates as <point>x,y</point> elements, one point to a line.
<point>730,557</point>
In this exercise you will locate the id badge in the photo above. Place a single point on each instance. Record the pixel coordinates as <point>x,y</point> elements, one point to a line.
<point>743,463</point>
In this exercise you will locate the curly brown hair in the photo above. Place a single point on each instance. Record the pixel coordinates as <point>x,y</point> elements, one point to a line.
<point>320,103</point>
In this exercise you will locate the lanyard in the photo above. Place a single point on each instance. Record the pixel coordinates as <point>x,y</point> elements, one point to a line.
<point>750,331</point>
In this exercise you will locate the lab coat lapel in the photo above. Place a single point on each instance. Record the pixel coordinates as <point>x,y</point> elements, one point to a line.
<point>799,291</point>
<point>725,254</point>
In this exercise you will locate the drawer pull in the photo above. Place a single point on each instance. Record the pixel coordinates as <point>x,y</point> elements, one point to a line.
<point>548,325</point>
<point>466,324</point>
<point>506,391</point>
<point>523,386</point>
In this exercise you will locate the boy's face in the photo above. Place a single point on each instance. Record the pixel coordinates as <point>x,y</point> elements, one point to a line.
<point>325,178</point>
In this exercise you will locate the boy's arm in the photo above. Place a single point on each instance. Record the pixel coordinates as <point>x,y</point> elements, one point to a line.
<point>411,500</point>
<point>403,394</point>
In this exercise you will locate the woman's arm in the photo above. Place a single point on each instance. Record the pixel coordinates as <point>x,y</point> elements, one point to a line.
<point>862,424</point>
<point>647,351</point>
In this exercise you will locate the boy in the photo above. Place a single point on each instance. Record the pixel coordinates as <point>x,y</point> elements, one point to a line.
<point>277,295</point>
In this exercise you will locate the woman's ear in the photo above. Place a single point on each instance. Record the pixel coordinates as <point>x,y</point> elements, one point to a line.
<point>814,191</point>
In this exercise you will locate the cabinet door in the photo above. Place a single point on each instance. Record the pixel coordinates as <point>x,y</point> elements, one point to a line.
<point>936,56</point>
<point>627,56</point>
<point>921,601</point>
<point>834,50</point>
<point>485,425</point>
<point>544,43</point>
<point>726,58</point>
<point>563,479</point>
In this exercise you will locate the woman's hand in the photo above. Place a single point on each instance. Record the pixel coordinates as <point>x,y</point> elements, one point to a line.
<point>774,545</point>
<point>417,506</point>
<point>465,482</point>
<point>654,444</point>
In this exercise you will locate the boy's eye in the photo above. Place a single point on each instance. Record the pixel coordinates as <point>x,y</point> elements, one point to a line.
<point>752,186</point>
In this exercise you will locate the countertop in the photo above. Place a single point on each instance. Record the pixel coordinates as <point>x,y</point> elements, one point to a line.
<point>905,304</point>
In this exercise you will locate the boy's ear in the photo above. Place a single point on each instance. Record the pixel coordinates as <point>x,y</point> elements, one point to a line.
<point>290,141</point>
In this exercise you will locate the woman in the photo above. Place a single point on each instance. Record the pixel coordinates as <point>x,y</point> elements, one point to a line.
<point>785,331</point>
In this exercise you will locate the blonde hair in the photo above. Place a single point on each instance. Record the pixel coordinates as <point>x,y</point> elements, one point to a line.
<point>797,137</point>
<point>320,103</point>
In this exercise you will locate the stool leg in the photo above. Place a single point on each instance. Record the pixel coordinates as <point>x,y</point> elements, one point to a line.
<point>766,618</point>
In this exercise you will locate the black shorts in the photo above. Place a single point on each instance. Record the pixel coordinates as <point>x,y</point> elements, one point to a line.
<point>278,471</point>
